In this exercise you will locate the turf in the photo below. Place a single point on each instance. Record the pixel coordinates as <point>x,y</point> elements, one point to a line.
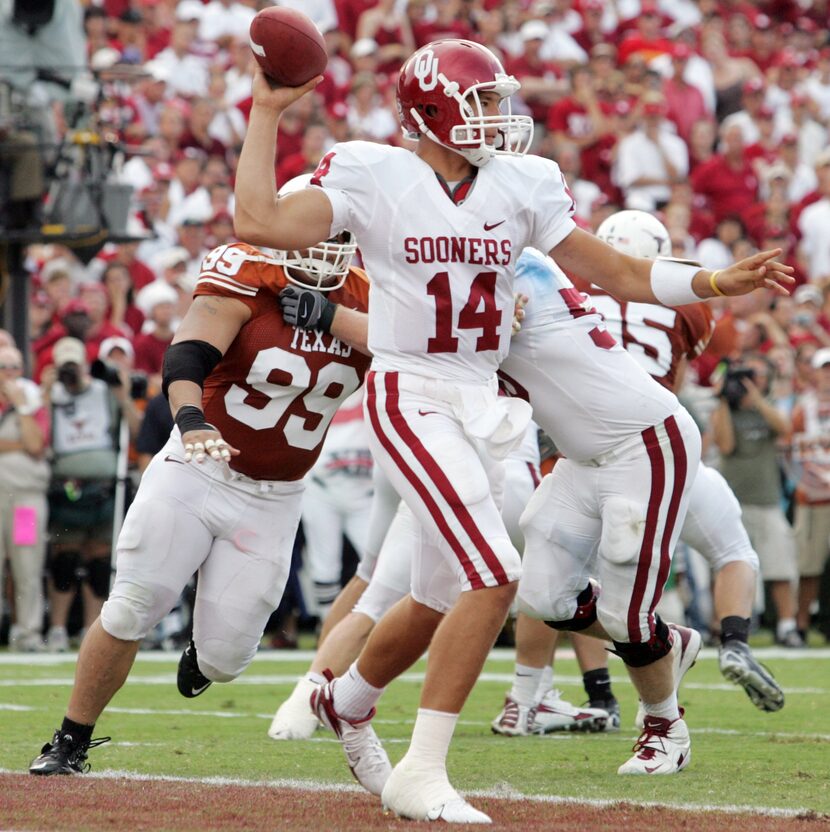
<point>740,756</point>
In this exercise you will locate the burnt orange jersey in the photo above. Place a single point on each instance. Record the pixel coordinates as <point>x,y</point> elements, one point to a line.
<point>277,387</point>
<point>659,337</point>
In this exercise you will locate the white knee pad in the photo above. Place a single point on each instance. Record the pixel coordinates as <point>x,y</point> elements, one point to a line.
<point>132,611</point>
<point>623,522</point>
<point>539,604</point>
<point>222,660</point>
<point>377,600</point>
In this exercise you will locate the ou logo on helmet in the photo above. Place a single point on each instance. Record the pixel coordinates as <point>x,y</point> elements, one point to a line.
<point>425,70</point>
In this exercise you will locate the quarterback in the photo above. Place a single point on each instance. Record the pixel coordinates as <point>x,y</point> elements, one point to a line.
<point>440,230</point>
<point>252,399</point>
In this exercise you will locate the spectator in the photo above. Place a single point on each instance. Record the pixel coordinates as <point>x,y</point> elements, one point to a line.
<point>186,184</point>
<point>158,302</point>
<point>650,159</point>
<point>730,75</point>
<point>817,85</point>
<point>24,479</point>
<point>197,131</point>
<point>187,71</point>
<point>803,179</point>
<point>800,120</point>
<point>746,429</point>
<point>191,237</point>
<point>810,444</point>
<point>85,425</point>
<point>727,180</point>
<point>122,312</point>
<point>306,160</point>
<point>369,118</point>
<point>582,119</point>
<point>155,430</point>
<point>388,26</point>
<point>95,298</point>
<point>224,21</point>
<point>813,223</point>
<point>685,106</point>
<point>540,79</point>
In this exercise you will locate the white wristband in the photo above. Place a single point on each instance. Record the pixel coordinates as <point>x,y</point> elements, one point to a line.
<point>671,282</point>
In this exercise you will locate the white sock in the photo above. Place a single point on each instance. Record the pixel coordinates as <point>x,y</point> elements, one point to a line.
<point>785,625</point>
<point>431,738</point>
<point>353,696</point>
<point>545,682</point>
<point>667,709</point>
<point>315,678</point>
<point>525,683</point>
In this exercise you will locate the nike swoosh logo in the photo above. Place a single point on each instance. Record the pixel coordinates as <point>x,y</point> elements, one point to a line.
<point>490,226</point>
<point>169,458</point>
<point>197,691</point>
<point>427,412</point>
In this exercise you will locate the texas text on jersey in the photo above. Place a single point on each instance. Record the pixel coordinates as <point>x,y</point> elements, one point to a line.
<point>274,392</point>
<point>659,337</point>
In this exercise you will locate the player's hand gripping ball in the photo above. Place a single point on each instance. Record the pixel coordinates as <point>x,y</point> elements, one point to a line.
<point>288,46</point>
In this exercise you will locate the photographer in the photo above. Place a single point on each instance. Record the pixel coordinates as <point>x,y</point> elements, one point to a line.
<point>746,428</point>
<point>86,415</point>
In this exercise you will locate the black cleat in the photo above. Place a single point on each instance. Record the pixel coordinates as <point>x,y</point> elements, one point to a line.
<point>190,680</point>
<point>64,755</point>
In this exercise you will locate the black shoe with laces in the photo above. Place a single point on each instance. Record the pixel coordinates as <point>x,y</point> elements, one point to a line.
<point>64,755</point>
<point>190,680</point>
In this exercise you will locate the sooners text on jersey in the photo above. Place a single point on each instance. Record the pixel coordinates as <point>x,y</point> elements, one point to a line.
<point>277,387</point>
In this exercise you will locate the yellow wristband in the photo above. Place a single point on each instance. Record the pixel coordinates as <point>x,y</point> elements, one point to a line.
<point>714,283</point>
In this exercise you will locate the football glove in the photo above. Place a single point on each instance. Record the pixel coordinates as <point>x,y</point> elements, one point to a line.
<point>306,308</point>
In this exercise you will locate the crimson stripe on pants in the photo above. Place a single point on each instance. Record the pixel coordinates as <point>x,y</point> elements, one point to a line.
<point>439,478</point>
<point>678,448</point>
<point>658,483</point>
<point>470,571</point>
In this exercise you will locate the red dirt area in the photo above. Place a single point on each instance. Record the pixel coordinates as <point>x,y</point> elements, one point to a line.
<point>76,803</point>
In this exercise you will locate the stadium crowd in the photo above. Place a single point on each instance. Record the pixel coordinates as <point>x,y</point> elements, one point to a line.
<point>713,115</point>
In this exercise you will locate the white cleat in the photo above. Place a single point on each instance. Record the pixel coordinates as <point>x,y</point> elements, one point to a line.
<point>515,720</point>
<point>365,755</point>
<point>686,644</point>
<point>555,714</point>
<point>294,719</point>
<point>664,747</point>
<point>426,794</point>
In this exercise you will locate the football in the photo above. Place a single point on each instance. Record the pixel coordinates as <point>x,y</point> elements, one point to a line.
<point>288,46</point>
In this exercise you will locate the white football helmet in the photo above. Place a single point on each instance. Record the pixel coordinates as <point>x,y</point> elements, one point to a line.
<point>636,233</point>
<point>323,267</point>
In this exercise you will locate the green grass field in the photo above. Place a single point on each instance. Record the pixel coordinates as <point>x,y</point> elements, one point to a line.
<point>740,756</point>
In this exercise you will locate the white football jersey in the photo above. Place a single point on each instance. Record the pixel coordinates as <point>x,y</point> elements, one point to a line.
<point>588,394</point>
<point>442,274</point>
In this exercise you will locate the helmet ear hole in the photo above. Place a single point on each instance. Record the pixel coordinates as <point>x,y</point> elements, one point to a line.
<point>430,110</point>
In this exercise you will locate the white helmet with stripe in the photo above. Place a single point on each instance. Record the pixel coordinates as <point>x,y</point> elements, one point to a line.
<point>323,267</point>
<point>637,233</point>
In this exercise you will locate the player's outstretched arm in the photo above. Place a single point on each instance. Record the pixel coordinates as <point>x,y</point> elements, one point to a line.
<point>662,281</point>
<point>297,221</point>
<point>202,338</point>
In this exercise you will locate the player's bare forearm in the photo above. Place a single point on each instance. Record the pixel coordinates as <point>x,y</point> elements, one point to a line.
<point>352,328</point>
<point>181,393</point>
<point>298,221</point>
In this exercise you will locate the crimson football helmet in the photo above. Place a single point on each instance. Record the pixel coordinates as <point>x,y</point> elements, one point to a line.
<point>323,267</point>
<point>438,96</point>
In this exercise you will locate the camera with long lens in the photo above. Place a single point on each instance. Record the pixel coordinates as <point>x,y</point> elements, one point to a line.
<point>734,388</point>
<point>108,373</point>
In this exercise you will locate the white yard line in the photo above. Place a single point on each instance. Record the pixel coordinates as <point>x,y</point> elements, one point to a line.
<point>499,654</point>
<point>624,734</point>
<point>502,792</point>
<point>258,679</point>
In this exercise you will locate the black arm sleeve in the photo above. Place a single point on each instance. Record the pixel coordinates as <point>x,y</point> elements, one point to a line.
<point>188,361</point>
